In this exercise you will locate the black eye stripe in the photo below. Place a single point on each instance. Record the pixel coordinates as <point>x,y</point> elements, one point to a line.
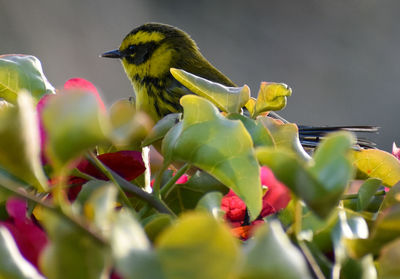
<point>142,52</point>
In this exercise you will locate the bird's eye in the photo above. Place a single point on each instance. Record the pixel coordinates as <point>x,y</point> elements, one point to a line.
<point>132,48</point>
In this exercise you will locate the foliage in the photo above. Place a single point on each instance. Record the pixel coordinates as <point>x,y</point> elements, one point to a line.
<point>236,196</point>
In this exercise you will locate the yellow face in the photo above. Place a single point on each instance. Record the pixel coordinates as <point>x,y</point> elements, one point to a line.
<point>145,54</point>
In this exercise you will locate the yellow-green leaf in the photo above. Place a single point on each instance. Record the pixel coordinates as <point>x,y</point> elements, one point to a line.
<point>197,247</point>
<point>228,99</point>
<point>18,72</point>
<point>378,164</point>
<point>271,96</point>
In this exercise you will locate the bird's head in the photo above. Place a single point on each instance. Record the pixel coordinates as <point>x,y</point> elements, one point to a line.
<point>152,49</point>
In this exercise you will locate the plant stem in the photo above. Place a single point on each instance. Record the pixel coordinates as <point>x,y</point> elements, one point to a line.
<point>143,195</point>
<point>106,171</point>
<point>170,185</point>
<point>78,173</point>
<point>14,187</point>
<point>355,196</point>
<point>310,258</point>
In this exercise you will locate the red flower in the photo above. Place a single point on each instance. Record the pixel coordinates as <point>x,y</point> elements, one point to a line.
<point>128,164</point>
<point>276,198</point>
<point>29,237</point>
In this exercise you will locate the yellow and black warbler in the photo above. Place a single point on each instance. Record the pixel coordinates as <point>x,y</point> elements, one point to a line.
<point>147,54</point>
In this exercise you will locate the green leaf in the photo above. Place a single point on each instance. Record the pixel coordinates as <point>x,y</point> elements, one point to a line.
<point>332,167</point>
<point>259,134</point>
<point>197,247</point>
<point>271,96</point>
<point>13,265</point>
<point>19,142</point>
<point>211,203</point>
<point>129,127</point>
<point>366,192</point>
<point>131,249</point>
<point>219,146</point>
<point>186,196</point>
<point>161,128</point>
<point>271,255</point>
<point>285,136</point>
<point>388,262</point>
<point>155,224</point>
<point>74,123</point>
<point>18,72</point>
<point>378,164</point>
<point>320,183</point>
<point>228,99</point>
<point>71,252</point>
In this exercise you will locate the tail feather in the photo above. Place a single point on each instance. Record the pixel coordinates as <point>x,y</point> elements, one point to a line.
<point>310,136</point>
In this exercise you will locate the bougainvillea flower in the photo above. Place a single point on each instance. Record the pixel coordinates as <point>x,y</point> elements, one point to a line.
<point>30,238</point>
<point>396,151</point>
<point>276,198</point>
<point>128,164</point>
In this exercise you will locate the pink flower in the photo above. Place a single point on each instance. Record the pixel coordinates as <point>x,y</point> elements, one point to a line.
<point>30,238</point>
<point>396,151</point>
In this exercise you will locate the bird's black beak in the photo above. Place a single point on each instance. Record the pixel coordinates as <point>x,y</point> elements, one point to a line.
<point>112,54</point>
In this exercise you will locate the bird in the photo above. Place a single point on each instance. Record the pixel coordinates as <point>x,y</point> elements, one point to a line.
<point>148,53</point>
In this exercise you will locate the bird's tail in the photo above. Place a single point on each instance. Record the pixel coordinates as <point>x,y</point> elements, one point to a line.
<point>310,136</point>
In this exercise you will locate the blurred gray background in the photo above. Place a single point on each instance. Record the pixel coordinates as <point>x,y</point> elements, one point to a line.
<point>340,57</point>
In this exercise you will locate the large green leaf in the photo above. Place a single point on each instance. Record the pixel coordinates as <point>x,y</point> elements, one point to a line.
<point>271,255</point>
<point>74,123</point>
<point>13,265</point>
<point>186,196</point>
<point>197,247</point>
<point>132,251</point>
<point>219,146</point>
<point>19,142</point>
<point>378,164</point>
<point>228,99</point>
<point>18,72</point>
<point>71,252</point>
<point>319,183</point>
